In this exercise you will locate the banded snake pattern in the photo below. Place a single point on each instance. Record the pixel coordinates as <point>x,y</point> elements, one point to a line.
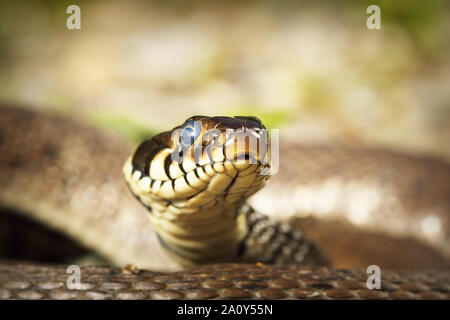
<point>69,177</point>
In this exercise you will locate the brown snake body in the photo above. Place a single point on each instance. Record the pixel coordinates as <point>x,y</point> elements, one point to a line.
<point>68,176</point>
<point>219,281</point>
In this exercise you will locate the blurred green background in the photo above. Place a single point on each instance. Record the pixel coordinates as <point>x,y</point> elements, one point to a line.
<point>311,68</point>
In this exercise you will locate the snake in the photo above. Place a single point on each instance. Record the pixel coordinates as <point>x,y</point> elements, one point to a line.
<point>173,219</point>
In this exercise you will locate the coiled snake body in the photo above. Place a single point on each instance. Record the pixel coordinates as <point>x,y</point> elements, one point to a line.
<point>69,177</point>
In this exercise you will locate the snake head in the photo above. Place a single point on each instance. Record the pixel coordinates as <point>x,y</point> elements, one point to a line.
<point>210,140</point>
<point>211,154</point>
<point>194,178</point>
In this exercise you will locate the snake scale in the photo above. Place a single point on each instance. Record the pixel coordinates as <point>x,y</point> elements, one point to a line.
<point>70,177</point>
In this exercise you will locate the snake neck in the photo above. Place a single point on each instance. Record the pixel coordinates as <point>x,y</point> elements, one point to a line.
<point>275,242</point>
<point>245,235</point>
<point>207,235</point>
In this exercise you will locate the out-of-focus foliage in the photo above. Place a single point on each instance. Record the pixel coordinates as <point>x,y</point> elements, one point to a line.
<point>312,67</point>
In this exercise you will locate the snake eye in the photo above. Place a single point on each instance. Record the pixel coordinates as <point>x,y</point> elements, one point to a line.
<point>190,131</point>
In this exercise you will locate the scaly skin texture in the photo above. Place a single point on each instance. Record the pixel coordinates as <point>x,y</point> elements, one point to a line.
<point>68,176</point>
<point>219,281</point>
